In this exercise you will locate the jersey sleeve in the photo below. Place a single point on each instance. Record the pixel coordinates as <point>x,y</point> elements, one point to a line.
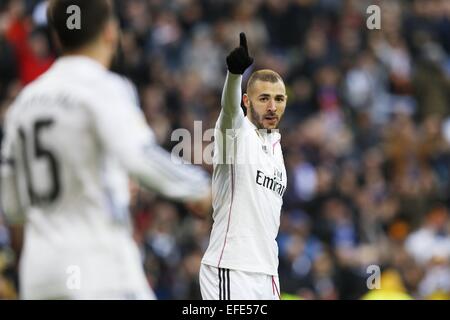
<point>231,115</point>
<point>123,132</point>
<point>230,120</point>
<point>9,187</point>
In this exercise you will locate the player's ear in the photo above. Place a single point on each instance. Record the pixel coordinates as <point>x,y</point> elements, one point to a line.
<point>111,32</point>
<point>246,101</point>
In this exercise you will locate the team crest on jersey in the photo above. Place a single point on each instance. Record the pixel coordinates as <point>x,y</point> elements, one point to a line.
<point>278,174</point>
<point>264,147</point>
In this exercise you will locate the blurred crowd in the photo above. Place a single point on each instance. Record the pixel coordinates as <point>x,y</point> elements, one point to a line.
<point>365,136</point>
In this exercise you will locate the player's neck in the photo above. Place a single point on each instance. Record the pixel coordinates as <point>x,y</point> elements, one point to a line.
<point>262,130</point>
<point>95,53</point>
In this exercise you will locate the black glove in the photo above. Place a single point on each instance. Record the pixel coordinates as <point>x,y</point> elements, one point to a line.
<point>239,60</point>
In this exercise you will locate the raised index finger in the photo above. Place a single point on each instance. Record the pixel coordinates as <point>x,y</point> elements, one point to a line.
<point>243,41</point>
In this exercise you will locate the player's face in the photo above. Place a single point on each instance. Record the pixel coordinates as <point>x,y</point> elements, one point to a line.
<point>265,103</point>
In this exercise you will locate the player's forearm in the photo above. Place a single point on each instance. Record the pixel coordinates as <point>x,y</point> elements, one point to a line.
<point>231,115</point>
<point>231,95</point>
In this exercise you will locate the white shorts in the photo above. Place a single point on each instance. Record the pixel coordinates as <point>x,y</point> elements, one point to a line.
<point>226,284</point>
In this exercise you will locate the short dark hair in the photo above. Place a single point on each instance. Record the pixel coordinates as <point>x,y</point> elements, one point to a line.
<point>264,75</point>
<point>94,16</point>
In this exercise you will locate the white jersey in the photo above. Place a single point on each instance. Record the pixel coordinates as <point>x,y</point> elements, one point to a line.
<point>72,139</point>
<point>249,181</point>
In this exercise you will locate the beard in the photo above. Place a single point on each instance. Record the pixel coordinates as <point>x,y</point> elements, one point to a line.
<point>258,119</point>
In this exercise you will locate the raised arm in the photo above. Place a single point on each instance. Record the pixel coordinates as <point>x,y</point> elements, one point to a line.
<point>238,61</point>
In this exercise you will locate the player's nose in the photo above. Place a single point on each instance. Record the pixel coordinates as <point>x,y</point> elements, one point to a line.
<point>272,106</point>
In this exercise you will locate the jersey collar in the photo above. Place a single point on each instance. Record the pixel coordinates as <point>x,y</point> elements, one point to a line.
<point>81,60</point>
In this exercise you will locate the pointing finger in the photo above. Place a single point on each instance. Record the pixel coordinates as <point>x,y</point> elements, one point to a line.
<point>243,41</point>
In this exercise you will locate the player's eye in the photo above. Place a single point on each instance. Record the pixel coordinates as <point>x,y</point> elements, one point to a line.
<point>279,99</point>
<point>263,99</point>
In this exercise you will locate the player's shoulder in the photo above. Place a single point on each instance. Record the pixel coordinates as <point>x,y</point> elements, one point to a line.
<point>245,129</point>
<point>123,86</point>
<point>112,87</point>
<point>49,83</point>
<point>85,74</point>
<point>35,86</point>
<point>14,110</point>
<point>85,81</point>
<point>94,82</point>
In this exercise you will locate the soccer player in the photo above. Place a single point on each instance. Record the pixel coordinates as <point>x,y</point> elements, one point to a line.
<point>73,138</point>
<point>249,181</point>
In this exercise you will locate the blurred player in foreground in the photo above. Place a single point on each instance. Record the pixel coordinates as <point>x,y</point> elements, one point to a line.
<point>72,139</point>
<point>249,181</point>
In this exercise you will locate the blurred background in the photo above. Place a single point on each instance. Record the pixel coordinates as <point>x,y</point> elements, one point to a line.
<point>366,133</point>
